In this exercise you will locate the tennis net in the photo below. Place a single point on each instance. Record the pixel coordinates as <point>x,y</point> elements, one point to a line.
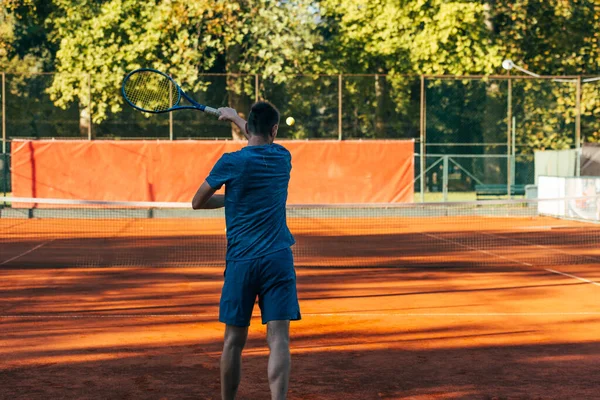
<point>45,233</point>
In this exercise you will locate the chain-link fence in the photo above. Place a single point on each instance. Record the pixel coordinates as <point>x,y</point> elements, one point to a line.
<point>5,184</point>
<point>469,131</point>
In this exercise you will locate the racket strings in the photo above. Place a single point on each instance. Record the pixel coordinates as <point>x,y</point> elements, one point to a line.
<point>151,91</point>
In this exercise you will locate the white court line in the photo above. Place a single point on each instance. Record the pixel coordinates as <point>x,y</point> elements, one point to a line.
<point>477,250</point>
<point>541,246</point>
<point>490,314</point>
<point>340,314</point>
<point>27,252</point>
<point>516,261</point>
<point>574,277</point>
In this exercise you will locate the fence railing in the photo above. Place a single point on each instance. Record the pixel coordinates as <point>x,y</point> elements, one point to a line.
<point>504,115</point>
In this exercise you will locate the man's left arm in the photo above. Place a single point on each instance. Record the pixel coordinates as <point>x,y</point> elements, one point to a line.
<point>230,114</point>
<point>205,198</point>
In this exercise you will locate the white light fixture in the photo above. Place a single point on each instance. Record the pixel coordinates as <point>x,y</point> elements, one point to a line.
<point>508,64</point>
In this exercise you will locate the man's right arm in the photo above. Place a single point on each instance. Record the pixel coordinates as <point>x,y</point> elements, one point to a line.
<point>220,174</point>
<point>206,198</point>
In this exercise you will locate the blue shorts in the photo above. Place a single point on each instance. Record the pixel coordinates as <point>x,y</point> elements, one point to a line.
<point>272,278</point>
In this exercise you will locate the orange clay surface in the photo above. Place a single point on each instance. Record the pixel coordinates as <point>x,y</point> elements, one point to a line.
<point>483,313</point>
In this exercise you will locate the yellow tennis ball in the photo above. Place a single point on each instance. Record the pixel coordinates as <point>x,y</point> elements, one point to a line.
<point>290,121</point>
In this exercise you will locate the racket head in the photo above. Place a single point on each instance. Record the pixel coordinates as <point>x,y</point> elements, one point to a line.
<point>151,91</point>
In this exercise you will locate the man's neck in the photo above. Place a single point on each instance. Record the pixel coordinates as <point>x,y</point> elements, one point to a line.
<point>257,140</point>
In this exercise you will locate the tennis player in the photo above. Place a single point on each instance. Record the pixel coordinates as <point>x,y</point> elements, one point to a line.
<point>259,259</point>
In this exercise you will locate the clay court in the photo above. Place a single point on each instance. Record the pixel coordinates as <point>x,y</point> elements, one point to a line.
<point>416,302</point>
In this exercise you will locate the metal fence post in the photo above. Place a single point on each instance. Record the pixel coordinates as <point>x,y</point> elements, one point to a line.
<point>89,106</point>
<point>422,139</point>
<point>340,107</point>
<point>445,179</point>
<point>578,126</point>
<point>513,169</point>
<point>509,118</point>
<point>3,113</point>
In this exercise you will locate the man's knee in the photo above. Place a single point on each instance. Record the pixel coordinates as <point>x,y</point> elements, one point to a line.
<point>278,334</point>
<point>235,337</point>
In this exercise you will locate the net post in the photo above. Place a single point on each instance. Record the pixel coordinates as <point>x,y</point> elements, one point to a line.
<point>89,106</point>
<point>422,139</point>
<point>3,112</point>
<point>339,106</point>
<point>578,126</point>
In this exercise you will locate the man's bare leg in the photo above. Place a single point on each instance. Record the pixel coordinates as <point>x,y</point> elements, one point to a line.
<point>278,338</point>
<point>231,360</point>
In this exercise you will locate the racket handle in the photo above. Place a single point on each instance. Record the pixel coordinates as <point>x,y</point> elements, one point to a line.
<point>212,111</point>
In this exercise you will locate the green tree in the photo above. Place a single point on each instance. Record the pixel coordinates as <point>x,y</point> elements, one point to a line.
<point>417,36</point>
<point>26,52</point>
<point>473,37</point>
<point>405,37</point>
<point>438,37</point>
<point>24,43</point>
<point>109,38</point>
<point>552,38</point>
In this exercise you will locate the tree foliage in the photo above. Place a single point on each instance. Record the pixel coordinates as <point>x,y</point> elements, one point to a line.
<point>105,39</point>
<point>24,44</point>
<point>419,36</point>
<point>473,37</point>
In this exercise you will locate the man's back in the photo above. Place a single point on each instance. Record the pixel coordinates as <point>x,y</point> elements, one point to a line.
<point>259,261</point>
<point>256,182</point>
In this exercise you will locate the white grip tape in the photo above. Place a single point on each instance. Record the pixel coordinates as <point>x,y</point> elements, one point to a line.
<point>212,111</point>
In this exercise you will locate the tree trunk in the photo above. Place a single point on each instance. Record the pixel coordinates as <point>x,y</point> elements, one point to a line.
<point>380,104</point>
<point>488,12</point>
<point>237,97</point>
<point>84,122</point>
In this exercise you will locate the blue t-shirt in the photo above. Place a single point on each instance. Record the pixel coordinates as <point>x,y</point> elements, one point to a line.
<point>256,182</point>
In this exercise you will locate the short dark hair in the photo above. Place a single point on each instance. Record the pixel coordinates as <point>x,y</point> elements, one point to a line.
<point>262,118</point>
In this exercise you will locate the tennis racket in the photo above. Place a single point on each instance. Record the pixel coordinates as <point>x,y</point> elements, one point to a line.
<point>152,91</point>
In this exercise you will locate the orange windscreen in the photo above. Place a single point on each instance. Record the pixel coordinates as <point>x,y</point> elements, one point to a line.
<point>323,172</point>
